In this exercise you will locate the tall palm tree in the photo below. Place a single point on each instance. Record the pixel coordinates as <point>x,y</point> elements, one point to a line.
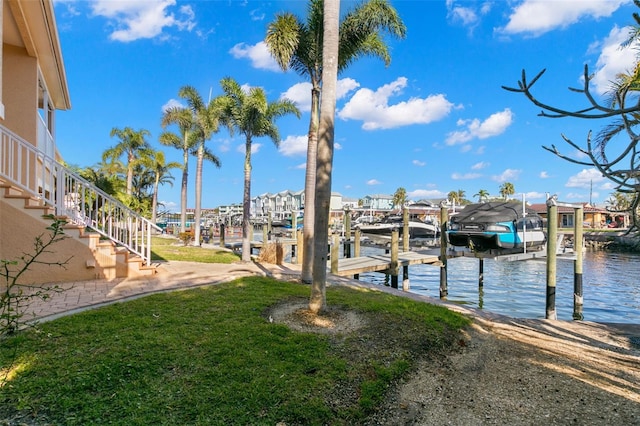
<point>183,118</point>
<point>400,197</point>
<point>482,195</point>
<point>252,115</point>
<point>131,144</point>
<point>507,189</point>
<point>206,119</point>
<point>161,172</point>
<point>297,45</point>
<point>325,153</point>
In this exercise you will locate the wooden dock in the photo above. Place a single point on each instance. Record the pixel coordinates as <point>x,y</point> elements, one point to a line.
<point>382,263</point>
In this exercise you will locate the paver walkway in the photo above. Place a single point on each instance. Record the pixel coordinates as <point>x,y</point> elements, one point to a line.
<point>172,275</point>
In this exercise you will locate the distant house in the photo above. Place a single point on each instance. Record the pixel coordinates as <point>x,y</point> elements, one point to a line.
<point>279,205</point>
<point>593,217</point>
<point>377,202</point>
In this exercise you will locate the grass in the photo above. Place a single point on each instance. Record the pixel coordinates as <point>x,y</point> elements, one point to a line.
<point>167,248</point>
<point>210,356</point>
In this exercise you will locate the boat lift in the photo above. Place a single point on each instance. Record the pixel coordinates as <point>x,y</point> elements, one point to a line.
<point>553,250</point>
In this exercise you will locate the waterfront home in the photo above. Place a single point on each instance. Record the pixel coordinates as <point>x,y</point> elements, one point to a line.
<point>33,182</point>
<point>593,217</point>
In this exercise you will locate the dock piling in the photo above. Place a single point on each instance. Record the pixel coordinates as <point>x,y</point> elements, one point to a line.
<point>577,275</point>
<point>444,218</point>
<point>552,233</point>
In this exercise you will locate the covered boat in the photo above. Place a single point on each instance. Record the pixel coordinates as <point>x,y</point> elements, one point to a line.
<point>496,225</point>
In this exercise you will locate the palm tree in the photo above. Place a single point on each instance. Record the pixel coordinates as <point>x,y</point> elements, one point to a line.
<point>183,118</point>
<point>325,153</point>
<point>297,45</point>
<point>161,172</point>
<point>250,114</point>
<point>131,144</point>
<point>507,189</point>
<point>400,197</point>
<point>482,195</point>
<point>456,197</point>
<point>206,119</point>
<point>460,195</point>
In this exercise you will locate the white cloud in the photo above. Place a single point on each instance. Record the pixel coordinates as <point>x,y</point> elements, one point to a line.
<point>543,175</point>
<point>479,166</point>
<point>294,145</point>
<point>346,86</point>
<point>301,166</point>
<point>373,182</point>
<point>255,148</point>
<point>300,93</point>
<point>172,103</point>
<point>613,60</point>
<point>258,54</point>
<point>425,193</point>
<point>585,178</point>
<point>495,125</point>
<point>536,17</point>
<point>533,195</point>
<point>170,206</point>
<point>139,19</point>
<point>507,175</point>
<point>469,15</point>
<point>465,176</point>
<point>373,108</point>
<point>419,163</point>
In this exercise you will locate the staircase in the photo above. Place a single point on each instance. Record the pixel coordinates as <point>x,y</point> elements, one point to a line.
<point>117,238</point>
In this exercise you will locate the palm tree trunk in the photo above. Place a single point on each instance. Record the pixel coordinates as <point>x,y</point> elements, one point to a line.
<point>246,204</point>
<point>196,224</point>
<point>154,202</point>
<point>183,192</point>
<point>130,178</point>
<point>325,153</point>
<point>310,189</point>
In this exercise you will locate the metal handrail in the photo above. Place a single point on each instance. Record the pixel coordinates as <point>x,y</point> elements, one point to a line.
<point>72,196</point>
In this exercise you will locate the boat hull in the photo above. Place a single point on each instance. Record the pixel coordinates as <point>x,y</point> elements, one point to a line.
<point>416,229</point>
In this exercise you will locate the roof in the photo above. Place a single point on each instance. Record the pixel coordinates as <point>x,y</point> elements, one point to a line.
<point>34,27</point>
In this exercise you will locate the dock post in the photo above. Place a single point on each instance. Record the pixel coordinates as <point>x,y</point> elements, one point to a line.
<point>347,233</point>
<point>552,236</point>
<point>264,235</point>
<point>394,258</point>
<point>299,243</point>
<point>405,228</point>
<point>222,231</point>
<point>480,272</point>
<point>356,249</point>
<point>406,286</point>
<point>294,225</point>
<point>334,253</point>
<point>444,218</point>
<point>269,219</point>
<point>577,266</point>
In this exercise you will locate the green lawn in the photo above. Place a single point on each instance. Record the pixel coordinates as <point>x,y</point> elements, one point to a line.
<point>210,356</point>
<point>167,248</point>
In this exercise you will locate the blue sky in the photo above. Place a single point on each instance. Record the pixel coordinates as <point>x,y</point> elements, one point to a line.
<point>435,120</point>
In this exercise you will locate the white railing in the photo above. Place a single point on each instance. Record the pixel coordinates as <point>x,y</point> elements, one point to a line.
<point>73,197</point>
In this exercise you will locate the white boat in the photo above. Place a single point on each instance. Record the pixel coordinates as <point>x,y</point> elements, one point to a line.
<point>417,227</point>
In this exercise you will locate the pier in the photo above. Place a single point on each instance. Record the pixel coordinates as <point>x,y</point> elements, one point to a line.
<point>382,263</point>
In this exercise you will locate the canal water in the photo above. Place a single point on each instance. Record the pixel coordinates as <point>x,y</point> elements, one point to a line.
<point>611,286</point>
